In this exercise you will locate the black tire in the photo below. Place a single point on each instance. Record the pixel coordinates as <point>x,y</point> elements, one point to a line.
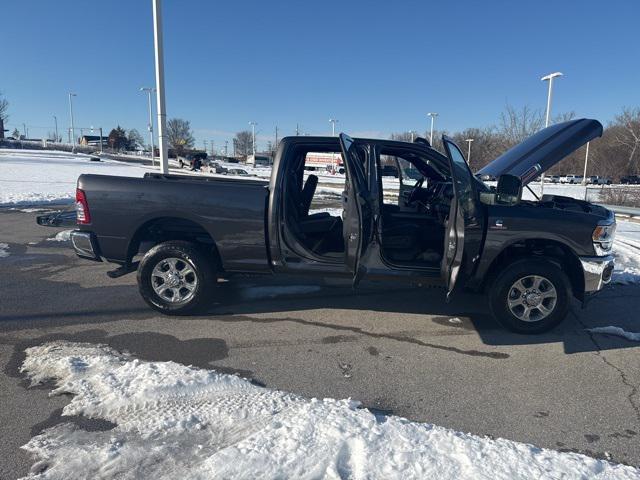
<point>189,255</point>
<point>504,287</point>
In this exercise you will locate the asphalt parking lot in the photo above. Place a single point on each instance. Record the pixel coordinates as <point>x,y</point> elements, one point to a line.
<point>399,350</point>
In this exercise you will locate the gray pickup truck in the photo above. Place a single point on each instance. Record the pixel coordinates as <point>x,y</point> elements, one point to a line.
<point>447,227</point>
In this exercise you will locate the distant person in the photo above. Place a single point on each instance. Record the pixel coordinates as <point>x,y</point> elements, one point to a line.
<point>197,164</point>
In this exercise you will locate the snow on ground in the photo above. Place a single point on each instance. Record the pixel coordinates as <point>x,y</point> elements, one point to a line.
<point>63,236</point>
<point>30,177</point>
<point>174,421</point>
<point>4,250</point>
<point>626,249</point>
<point>620,332</point>
<point>33,177</point>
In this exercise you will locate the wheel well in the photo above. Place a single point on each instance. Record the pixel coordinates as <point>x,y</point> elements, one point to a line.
<point>552,250</point>
<point>164,229</point>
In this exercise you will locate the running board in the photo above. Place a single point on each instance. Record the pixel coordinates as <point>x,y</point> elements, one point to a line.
<point>123,270</point>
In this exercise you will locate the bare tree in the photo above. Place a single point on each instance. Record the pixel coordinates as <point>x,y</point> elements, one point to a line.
<point>516,125</point>
<point>243,143</point>
<point>626,133</point>
<point>402,136</point>
<point>4,108</point>
<point>134,138</point>
<point>179,135</point>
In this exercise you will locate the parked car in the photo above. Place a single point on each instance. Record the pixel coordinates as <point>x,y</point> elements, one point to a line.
<point>572,179</point>
<point>552,178</point>
<point>237,171</point>
<point>448,228</point>
<point>215,167</point>
<point>188,159</point>
<point>389,171</point>
<point>630,179</point>
<point>597,180</point>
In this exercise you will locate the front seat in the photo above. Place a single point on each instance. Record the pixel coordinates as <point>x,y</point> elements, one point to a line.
<point>306,196</point>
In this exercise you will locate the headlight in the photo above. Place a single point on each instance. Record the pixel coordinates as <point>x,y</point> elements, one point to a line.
<point>603,236</point>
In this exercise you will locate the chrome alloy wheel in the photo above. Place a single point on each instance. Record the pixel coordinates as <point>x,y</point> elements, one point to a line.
<point>174,280</point>
<point>532,298</point>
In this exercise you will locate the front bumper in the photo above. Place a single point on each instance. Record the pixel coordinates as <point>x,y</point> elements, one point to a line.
<point>597,272</point>
<point>85,245</point>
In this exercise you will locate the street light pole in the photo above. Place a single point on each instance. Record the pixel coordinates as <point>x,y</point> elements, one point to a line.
<point>73,132</point>
<point>253,139</point>
<point>150,90</point>
<point>469,140</point>
<point>333,122</point>
<point>413,134</point>
<point>549,78</point>
<point>159,61</point>
<point>433,115</point>
<point>586,162</point>
<point>55,119</point>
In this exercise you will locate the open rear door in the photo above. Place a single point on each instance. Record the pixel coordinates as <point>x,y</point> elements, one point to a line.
<point>357,226</point>
<point>462,207</point>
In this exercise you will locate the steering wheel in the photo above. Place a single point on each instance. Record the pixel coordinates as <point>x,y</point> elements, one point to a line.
<point>416,188</point>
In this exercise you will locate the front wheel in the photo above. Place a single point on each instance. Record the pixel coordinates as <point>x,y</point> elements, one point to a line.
<point>176,278</point>
<point>530,296</point>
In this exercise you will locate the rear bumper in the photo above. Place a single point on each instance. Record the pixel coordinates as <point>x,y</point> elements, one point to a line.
<point>85,245</point>
<point>597,272</point>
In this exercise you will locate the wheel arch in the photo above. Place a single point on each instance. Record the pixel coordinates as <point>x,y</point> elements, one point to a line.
<point>551,250</point>
<point>167,227</point>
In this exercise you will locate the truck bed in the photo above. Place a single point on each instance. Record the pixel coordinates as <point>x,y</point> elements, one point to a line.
<point>231,211</point>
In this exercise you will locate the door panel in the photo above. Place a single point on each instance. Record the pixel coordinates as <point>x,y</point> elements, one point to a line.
<point>357,227</point>
<point>461,211</point>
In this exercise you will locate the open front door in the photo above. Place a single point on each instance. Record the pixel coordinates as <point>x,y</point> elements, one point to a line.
<point>461,210</point>
<point>357,227</point>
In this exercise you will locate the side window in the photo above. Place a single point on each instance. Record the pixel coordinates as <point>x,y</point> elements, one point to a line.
<point>391,178</point>
<point>328,169</point>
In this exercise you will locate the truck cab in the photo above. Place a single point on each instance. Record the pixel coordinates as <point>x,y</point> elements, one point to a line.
<point>445,226</point>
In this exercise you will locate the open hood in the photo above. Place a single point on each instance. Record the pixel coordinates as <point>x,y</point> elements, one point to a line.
<point>541,151</point>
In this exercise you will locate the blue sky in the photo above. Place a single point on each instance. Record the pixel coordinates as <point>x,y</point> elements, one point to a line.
<point>378,67</point>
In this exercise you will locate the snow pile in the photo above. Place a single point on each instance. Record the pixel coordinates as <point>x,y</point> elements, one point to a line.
<point>620,332</point>
<point>626,249</point>
<point>4,250</point>
<point>174,421</point>
<point>43,176</point>
<point>63,236</point>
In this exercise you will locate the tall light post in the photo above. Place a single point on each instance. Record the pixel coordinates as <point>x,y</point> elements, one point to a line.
<point>586,162</point>
<point>55,119</point>
<point>469,140</point>
<point>253,138</point>
<point>413,135</point>
<point>159,62</point>
<point>333,122</point>
<point>73,132</point>
<point>433,116</point>
<point>548,78</point>
<point>149,91</point>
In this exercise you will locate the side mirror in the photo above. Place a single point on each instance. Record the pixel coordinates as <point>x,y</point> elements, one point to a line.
<point>509,190</point>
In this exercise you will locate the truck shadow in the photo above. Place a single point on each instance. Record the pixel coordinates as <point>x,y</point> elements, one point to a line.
<point>34,300</point>
<point>466,314</point>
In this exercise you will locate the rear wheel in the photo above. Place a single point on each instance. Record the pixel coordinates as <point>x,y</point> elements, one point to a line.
<point>176,278</point>
<point>530,296</point>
